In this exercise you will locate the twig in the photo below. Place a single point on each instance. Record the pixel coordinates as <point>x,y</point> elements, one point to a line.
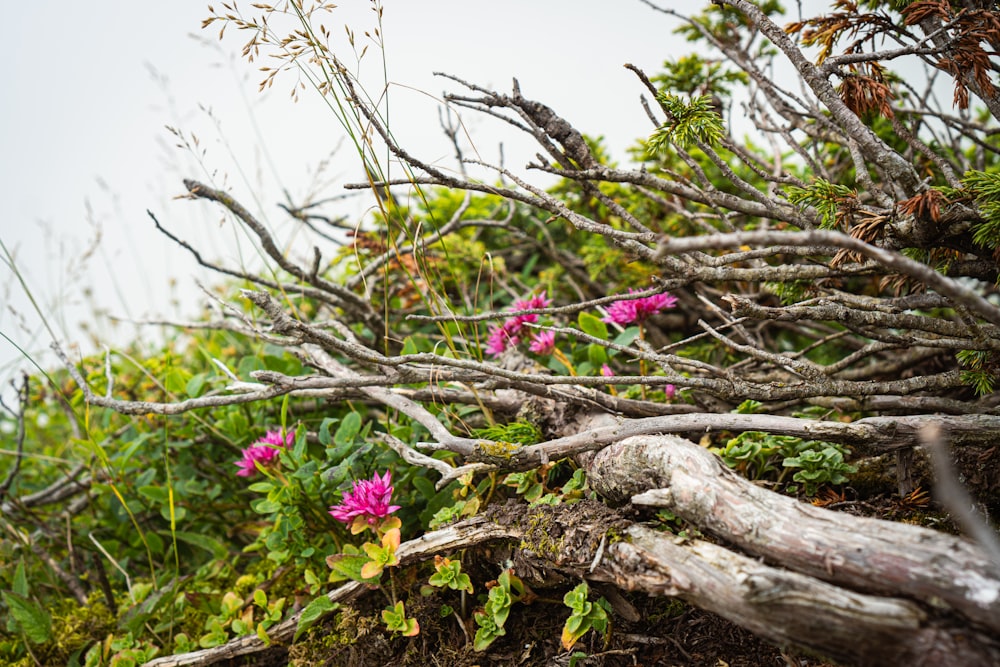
<point>953,495</point>
<point>128,579</point>
<point>22,402</point>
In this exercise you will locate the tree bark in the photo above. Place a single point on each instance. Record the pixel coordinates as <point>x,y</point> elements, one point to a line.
<point>784,606</point>
<point>863,554</point>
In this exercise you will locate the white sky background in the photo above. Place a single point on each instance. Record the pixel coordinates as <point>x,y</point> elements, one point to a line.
<point>89,88</point>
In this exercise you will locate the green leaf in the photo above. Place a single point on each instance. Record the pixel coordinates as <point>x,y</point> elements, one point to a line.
<point>314,611</point>
<point>597,355</point>
<point>155,541</point>
<point>348,430</point>
<point>260,598</point>
<point>409,347</point>
<point>284,412</point>
<point>20,584</point>
<point>748,407</point>
<point>425,487</point>
<point>249,364</point>
<point>324,430</point>
<point>195,385</point>
<point>590,324</point>
<point>176,380</point>
<point>627,336</point>
<point>137,615</point>
<point>261,487</point>
<point>264,506</point>
<point>213,546</point>
<point>155,493</point>
<point>347,565</point>
<point>33,620</point>
<point>573,624</point>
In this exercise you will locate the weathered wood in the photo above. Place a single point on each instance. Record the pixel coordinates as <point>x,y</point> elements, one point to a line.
<point>864,554</point>
<point>794,609</point>
<point>785,607</point>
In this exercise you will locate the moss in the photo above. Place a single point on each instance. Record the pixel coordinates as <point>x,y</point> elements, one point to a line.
<point>538,536</point>
<point>499,453</point>
<point>875,475</point>
<point>245,583</point>
<point>82,624</point>
<point>343,629</point>
<point>614,536</point>
<point>669,608</point>
<point>74,627</point>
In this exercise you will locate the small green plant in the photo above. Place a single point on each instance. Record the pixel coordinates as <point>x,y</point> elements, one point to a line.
<point>25,616</point>
<point>366,507</point>
<point>531,485</point>
<point>121,651</point>
<point>448,573</point>
<point>759,455</point>
<point>819,465</point>
<point>467,499</point>
<point>508,589</point>
<point>984,188</point>
<point>396,620</point>
<point>527,484</point>
<point>672,523</point>
<point>585,615</point>
<point>749,407</point>
<point>754,456</point>
<point>313,611</point>
<point>381,556</point>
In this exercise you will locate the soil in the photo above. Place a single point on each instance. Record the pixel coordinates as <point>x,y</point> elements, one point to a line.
<point>669,633</point>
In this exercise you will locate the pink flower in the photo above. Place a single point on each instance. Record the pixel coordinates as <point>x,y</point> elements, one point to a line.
<point>606,371</point>
<point>508,334</point>
<point>514,324</point>
<point>499,339</point>
<point>369,499</point>
<point>670,391</point>
<point>543,342</point>
<point>535,302</point>
<point>274,438</point>
<point>264,451</point>
<point>632,311</point>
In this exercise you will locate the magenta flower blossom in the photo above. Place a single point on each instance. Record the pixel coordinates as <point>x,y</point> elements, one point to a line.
<point>517,322</point>
<point>634,311</point>
<point>499,340</point>
<point>606,371</point>
<point>508,334</point>
<point>543,342</point>
<point>264,451</point>
<point>670,391</point>
<point>369,499</point>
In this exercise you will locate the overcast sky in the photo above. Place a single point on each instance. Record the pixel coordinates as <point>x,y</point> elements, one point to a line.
<point>90,88</point>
